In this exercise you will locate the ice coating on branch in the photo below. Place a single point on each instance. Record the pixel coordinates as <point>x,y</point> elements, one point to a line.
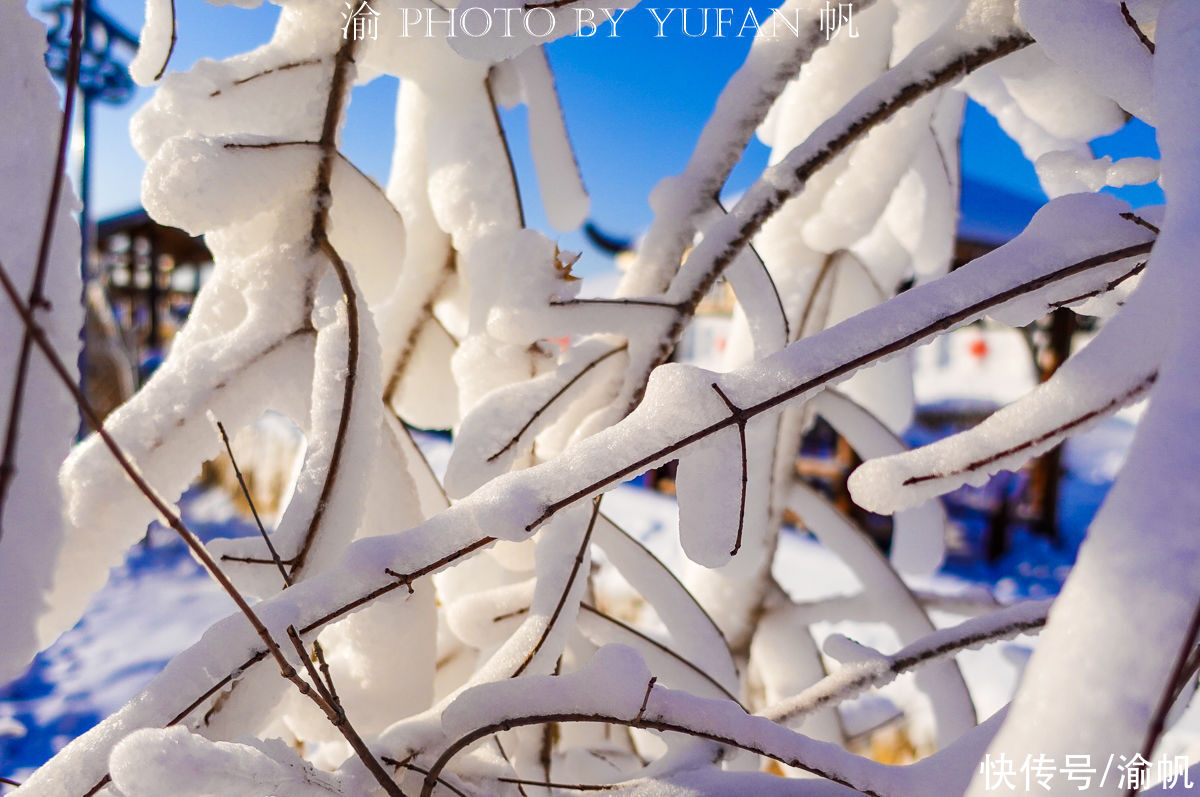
<point>146,761</point>
<point>320,520</point>
<point>852,205</point>
<point>265,93</point>
<point>366,230</point>
<point>1079,394</point>
<point>473,618</point>
<point>155,43</point>
<point>31,527</point>
<point>201,184</point>
<point>531,275</point>
<point>787,663</point>
<point>416,345</point>
<point>709,486</point>
<point>1056,98</point>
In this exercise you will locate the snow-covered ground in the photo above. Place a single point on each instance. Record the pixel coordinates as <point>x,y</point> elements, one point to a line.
<point>154,605</point>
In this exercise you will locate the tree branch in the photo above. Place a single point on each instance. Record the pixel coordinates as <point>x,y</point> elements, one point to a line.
<point>849,682</point>
<point>175,522</point>
<point>271,71</point>
<point>903,340</point>
<point>562,600</point>
<point>1064,428</point>
<point>36,299</point>
<point>516,438</point>
<point>1136,28</point>
<point>171,47</point>
<point>784,746</point>
<point>735,412</point>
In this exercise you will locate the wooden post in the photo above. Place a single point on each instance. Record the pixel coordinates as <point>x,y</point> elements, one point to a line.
<point>1047,469</point>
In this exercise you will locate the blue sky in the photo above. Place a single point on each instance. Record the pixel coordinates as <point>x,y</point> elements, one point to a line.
<point>634,106</point>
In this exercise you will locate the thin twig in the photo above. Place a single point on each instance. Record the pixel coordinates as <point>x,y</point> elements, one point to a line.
<point>843,368</point>
<point>813,294</point>
<point>1139,221</point>
<point>546,784</point>
<point>504,755</point>
<point>1110,286</point>
<point>269,144</point>
<point>272,70</point>
<point>317,681</point>
<point>562,599</point>
<point>557,395</point>
<point>587,607</point>
<point>175,522</point>
<point>391,762</point>
<point>171,47</point>
<point>1137,29</point>
<point>1141,387</point>
<point>735,412</point>
<point>318,651</point>
<point>36,298</point>
<point>424,316</point>
<point>659,303</point>
<point>502,137</point>
<point>761,267</point>
<point>661,723</point>
<point>287,580</point>
<point>646,697</point>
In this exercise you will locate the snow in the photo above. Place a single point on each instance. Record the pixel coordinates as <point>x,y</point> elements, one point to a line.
<point>615,681</point>
<point>1064,172</point>
<point>563,196</point>
<point>694,634</point>
<point>156,603</point>
<point>1143,534</point>
<point>1094,43</point>
<point>808,570</point>
<point>200,768</point>
<point>155,43</point>
<point>31,529</point>
<point>433,296</point>
<point>709,486</point>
